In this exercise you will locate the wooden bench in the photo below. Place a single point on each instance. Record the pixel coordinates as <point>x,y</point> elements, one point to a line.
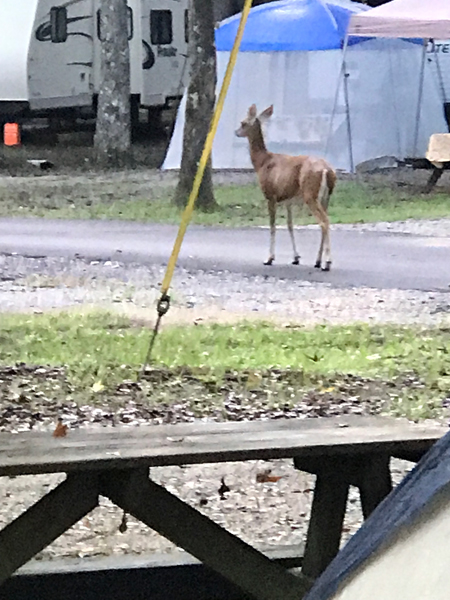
<point>114,462</point>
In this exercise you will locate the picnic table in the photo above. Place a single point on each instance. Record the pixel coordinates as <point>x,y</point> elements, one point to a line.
<point>437,158</point>
<point>115,462</point>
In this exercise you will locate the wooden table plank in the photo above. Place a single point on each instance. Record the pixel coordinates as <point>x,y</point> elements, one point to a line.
<point>46,520</point>
<point>160,445</point>
<point>217,548</point>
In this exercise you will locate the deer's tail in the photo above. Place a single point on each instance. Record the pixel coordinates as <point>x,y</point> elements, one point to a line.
<point>324,190</point>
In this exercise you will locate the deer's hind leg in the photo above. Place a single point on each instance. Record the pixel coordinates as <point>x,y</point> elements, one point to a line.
<point>318,262</point>
<point>272,206</point>
<point>322,218</point>
<point>290,225</point>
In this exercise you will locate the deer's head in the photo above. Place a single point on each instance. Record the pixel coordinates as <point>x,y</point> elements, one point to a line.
<point>252,121</point>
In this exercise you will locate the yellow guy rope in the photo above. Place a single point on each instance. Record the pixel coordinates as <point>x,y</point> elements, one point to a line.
<point>163,303</point>
<point>187,214</point>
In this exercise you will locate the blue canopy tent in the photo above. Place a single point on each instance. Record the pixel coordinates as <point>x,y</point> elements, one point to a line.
<point>291,57</point>
<point>294,25</point>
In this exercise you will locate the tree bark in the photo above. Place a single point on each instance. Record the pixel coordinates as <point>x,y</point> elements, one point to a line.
<point>112,139</point>
<point>226,8</point>
<point>199,104</point>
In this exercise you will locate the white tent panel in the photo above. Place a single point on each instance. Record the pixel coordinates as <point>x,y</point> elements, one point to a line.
<point>293,82</point>
<point>383,82</point>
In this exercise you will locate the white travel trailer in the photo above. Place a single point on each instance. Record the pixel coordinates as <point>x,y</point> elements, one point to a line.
<point>50,56</point>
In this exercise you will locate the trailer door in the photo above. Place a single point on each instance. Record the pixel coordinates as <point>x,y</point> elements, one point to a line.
<point>164,40</point>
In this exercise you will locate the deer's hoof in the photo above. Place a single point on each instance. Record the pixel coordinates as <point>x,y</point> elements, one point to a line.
<point>327,266</point>
<point>269,262</point>
<point>296,260</point>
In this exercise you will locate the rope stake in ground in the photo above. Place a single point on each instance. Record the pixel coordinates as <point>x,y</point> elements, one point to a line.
<point>161,308</point>
<point>164,300</point>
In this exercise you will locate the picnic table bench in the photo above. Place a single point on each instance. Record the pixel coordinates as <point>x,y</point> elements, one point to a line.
<point>114,462</point>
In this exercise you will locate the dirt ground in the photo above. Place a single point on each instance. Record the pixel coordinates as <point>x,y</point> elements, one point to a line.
<point>72,154</point>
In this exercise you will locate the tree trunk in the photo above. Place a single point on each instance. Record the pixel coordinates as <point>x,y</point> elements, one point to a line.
<point>113,127</point>
<point>226,8</point>
<point>199,105</point>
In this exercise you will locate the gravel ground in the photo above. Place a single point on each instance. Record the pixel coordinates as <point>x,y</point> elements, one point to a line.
<point>266,513</point>
<point>439,228</point>
<point>40,284</point>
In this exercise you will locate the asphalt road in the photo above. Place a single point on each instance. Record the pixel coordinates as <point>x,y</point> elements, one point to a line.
<point>373,259</point>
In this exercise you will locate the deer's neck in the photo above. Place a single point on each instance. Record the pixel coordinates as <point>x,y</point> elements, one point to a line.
<point>258,150</point>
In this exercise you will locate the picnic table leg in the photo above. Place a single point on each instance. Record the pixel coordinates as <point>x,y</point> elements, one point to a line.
<point>369,472</point>
<point>325,524</point>
<point>213,545</point>
<point>45,521</point>
<point>436,174</point>
<point>375,482</point>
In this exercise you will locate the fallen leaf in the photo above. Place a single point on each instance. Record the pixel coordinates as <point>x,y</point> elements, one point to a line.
<point>253,380</point>
<point>223,489</point>
<point>97,387</point>
<point>266,477</point>
<point>123,525</point>
<point>60,429</point>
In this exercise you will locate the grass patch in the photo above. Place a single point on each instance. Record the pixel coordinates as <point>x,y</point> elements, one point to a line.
<point>407,370</point>
<point>238,206</point>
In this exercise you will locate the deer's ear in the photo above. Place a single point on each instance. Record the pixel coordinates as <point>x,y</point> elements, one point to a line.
<point>252,111</point>
<point>266,114</point>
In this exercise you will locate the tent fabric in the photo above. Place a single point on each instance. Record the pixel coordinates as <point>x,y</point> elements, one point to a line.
<point>383,78</point>
<point>398,511</point>
<point>404,18</point>
<point>289,25</point>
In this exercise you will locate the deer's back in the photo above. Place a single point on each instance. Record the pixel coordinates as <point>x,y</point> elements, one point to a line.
<point>283,177</point>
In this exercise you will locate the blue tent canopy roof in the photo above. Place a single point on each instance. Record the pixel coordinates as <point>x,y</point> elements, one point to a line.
<point>288,25</point>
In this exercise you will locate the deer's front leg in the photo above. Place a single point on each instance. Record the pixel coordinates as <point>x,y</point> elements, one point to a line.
<point>272,206</point>
<point>290,225</point>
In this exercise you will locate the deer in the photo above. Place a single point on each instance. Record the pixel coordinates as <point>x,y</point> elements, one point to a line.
<point>290,180</point>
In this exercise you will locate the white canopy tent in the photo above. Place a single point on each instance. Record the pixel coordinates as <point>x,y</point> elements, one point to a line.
<point>313,114</point>
<point>404,18</point>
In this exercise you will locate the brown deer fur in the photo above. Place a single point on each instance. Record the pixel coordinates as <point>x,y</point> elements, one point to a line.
<point>290,180</point>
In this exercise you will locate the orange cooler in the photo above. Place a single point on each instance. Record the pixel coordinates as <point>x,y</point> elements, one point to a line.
<point>11,134</point>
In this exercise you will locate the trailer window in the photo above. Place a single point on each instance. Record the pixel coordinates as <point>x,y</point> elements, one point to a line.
<point>130,24</point>
<point>161,27</point>
<point>186,26</point>
<point>58,24</point>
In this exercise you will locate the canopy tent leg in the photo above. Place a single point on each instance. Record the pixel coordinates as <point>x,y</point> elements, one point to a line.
<point>347,106</point>
<point>445,104</point>
<point>333,112</point>
<point>342,73</point>
<point>419,98</point>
